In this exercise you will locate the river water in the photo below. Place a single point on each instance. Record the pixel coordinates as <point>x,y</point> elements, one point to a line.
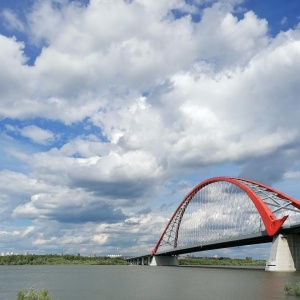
<point>146,283</point>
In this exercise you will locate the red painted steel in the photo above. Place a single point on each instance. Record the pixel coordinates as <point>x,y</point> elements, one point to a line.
<point>272,224</point>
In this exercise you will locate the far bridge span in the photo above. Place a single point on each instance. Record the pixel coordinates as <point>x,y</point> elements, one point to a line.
<point>224,212</point>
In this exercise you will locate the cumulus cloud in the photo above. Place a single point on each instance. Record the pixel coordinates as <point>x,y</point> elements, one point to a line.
<point>54,206</point>
<point>37,134</point>
<point>151,97</point>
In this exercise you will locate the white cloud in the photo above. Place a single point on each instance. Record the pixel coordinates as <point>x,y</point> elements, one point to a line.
<point>11,20</point>
<point>37,134</point>
<point>53,205</point>
<point>292,175</point>
<point>283,20</point>
<point>162,96</point>
<point>12,61</point>
<point>28,231</point>
<point>100,238</point>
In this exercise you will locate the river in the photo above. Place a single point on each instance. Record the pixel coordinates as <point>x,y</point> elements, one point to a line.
<point>146,283</point>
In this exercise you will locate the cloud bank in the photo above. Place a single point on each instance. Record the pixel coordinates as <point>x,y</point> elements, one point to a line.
<point>122,101</point>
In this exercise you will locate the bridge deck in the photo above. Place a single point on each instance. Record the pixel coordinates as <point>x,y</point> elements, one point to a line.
<point>251,239</point>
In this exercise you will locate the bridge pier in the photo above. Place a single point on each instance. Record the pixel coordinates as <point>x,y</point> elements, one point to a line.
<point>164,261</point>
<point>141,260</point>
<point>285,253</point>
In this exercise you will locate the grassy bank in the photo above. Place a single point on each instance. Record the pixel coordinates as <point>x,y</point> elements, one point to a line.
<point>225,261</point>
<point>67,259</point>
<point>53,259</point>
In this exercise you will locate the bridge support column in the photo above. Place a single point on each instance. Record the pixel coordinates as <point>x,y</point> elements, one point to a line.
<point>164,261</point>
<point>145,261</point>
<point>285,253</point>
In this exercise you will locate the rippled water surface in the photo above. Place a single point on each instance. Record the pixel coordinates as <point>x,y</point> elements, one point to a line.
<point>144,282</point>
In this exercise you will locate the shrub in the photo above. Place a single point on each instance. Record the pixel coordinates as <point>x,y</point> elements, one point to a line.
<point>32,294</point>
<point>288,289</point>
<point>297,289</point>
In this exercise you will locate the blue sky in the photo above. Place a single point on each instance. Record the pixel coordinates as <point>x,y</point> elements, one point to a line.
<point>111,111</point>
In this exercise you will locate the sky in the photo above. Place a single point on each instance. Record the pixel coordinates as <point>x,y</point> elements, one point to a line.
<point>112,110</point>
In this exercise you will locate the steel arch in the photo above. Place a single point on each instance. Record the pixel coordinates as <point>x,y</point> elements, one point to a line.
<point>252,188</point>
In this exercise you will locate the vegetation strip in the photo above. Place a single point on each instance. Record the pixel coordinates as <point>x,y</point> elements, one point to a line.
<point>290,290</point>
<point>222,261</point>
<point>53,259</point>
<point>33,294</point>
<point>67,259</point>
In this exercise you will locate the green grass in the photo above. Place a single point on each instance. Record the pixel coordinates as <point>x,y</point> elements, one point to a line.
<point>297,289</point>
<point>222,261</point>
<point>290,290</point>
<point>33,294</point>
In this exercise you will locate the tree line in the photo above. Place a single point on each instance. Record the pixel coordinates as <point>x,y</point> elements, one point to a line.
<point>221,261</point>
<point>55,259</point>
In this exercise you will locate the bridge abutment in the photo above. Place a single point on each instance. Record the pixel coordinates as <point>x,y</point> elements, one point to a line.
<point>164,261</point>
<point>285,253</point>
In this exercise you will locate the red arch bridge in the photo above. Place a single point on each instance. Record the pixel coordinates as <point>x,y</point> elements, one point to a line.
<point>223,212</point>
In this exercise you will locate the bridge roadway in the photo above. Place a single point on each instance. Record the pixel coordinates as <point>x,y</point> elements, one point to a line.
<point>251,239</point>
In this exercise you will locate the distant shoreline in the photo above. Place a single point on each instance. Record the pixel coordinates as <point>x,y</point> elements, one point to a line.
<point>246,267</point>
<point>222,262</point>
<point>55,259</point>
<point>67,259</point>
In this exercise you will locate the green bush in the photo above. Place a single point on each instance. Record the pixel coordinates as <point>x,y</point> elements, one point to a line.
<point>288,289</point>
<point>297,289</point>
<point>33,294</point>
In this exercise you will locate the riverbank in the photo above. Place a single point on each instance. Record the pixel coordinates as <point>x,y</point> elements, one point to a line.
<point>241,267</point>
<point>53,259</point>
<point>222,261</point>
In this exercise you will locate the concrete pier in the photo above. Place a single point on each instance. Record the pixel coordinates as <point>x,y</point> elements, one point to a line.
<point>164,261</point>
<point>285,253</point>
<point>140,260</point>
<point>148,260</point>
